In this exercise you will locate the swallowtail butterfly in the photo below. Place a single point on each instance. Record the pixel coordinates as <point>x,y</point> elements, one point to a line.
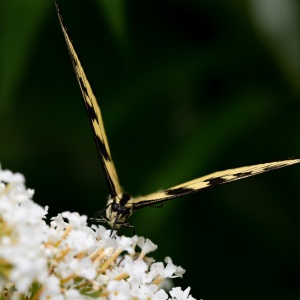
<point>121,205</point>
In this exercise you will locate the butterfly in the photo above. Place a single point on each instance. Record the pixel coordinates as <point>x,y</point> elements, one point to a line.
<point>121,205</point>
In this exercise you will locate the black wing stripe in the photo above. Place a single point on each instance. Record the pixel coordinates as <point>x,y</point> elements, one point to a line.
<point>178,191</point>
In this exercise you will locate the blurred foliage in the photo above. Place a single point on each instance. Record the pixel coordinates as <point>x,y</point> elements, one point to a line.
<point>185,88</point>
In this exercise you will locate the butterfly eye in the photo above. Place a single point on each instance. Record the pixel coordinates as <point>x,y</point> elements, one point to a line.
<point>115,207</point>
<point>124,210</point>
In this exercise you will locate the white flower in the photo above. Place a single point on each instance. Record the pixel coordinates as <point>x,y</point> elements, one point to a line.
<point>75,220</point>
<point>58,222</point>
<point>146,246</point>
<point>125,244</point>
<point>147,292</point>
<point>134,241</point>
<point>70,260</point>
<point>7,176</point>
<point>83,268</point>
<point>23,231</point>
<point>178,294</point>
<point>100,232</point>
<point>119,290</point>
<point>52,289</point>
<point>136,270</point>
<point>159,271</point>
<point>179,270</point>
<point>80,240</point>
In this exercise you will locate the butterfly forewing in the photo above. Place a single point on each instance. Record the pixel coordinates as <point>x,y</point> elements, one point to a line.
<point>209,181</point>
<point>94,115</point>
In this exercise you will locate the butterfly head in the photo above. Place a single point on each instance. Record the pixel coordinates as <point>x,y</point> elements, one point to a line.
<point>118,211</point>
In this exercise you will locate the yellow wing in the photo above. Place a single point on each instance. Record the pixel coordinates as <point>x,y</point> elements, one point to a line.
<point>94,115</point>
<point>208,181</point>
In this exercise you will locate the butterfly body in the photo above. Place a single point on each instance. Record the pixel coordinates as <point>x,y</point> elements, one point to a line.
<point>120,205</point>
<point>118,210</point>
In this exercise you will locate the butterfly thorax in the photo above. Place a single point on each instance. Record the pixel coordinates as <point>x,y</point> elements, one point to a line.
<point>118,210</point>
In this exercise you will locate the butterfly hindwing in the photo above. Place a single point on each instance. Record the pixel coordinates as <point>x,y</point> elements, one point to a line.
<point>94,115</point>
<point>208,181</point>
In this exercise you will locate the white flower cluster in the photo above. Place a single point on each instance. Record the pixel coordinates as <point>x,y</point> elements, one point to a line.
<point>68,259</point>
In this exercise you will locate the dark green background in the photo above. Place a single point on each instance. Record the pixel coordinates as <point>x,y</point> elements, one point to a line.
<point>186,87</point>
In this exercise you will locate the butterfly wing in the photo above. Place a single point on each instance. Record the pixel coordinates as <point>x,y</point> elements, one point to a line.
<point>94,115</point>
<point>208,181</point>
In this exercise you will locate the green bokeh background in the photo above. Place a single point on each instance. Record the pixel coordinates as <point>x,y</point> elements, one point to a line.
<point>186,87</point>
